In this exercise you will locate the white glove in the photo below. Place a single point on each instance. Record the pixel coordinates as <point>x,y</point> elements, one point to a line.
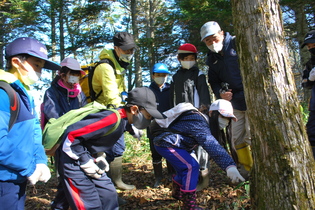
<point>234,175</point>
<point>41,173</point>
<point>101,161</point>
<point>138,133</point>
<point>311,77</point>
<point>92,170</point>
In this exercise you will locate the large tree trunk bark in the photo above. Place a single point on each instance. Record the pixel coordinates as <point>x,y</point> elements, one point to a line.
<point>283,172</point>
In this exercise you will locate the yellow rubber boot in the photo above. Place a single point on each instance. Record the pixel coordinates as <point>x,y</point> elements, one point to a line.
<point>244,155</point>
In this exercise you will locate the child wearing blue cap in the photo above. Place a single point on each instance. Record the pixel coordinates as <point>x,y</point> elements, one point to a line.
<point>161,90</point>
<point>22,156</point>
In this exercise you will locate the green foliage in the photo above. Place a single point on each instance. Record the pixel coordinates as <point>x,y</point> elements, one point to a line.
<point>136,149</point>
<point>304,111</point>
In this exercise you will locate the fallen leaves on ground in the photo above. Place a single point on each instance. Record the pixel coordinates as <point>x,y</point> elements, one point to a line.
<point>219,195</point>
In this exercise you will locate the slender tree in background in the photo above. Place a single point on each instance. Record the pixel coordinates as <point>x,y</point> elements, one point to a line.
<point>16,18</point>
<point>283,173</point>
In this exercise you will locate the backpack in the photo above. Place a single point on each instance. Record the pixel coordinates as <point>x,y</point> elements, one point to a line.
<point>14,102</point>
<point>86,81</point>
<point>55,128</point>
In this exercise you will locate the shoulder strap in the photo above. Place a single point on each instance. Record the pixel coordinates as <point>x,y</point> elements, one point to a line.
<point>117,123</point>
<point>14,102</point>
<point>106,60</point>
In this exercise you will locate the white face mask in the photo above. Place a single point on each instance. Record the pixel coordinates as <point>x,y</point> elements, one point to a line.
<point>73,79</point>
<point>187,64</point>
<point>223,122</point>
<point>32,76</point>
<point>126,57</point>
<point>216,47</point>
<point>160,80</point>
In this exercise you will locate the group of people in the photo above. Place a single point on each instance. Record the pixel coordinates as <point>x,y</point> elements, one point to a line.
<point>176,115</point>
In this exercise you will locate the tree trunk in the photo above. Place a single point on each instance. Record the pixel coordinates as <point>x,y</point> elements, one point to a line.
<point>283,171</point>
<point>137,64</point>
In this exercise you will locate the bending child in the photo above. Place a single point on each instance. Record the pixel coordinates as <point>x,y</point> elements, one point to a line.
<point>176,137</point>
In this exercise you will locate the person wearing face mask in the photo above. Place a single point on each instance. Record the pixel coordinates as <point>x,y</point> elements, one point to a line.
<point>309,83</point>
<point>176,136</point>
<point>63,95</point>
<point>161,90</point>
<point>110,82</point>
<point>22,155</point>
<point>81,159</point>
<point>224,68</point>
<point>221,114</point>
<point>189,85</point>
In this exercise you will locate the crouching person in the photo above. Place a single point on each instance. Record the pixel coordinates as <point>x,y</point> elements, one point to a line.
<point>81,159</point>
<point>175,139</point>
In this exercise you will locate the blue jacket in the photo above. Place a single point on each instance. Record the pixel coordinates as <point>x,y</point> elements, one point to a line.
<point>57,102</point>
<point>21,148</point>
<point>162,96</point>
<point>224,67</point>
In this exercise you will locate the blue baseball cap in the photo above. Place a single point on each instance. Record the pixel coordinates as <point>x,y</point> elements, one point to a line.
<point>30,46</point>
<point>160,68</point>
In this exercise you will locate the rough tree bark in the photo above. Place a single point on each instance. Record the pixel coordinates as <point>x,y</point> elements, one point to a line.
<point>283,172</point>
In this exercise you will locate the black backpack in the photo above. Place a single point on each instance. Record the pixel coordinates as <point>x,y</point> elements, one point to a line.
<point>14,102</point>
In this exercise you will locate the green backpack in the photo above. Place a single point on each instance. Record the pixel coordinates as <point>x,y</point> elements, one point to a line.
<point>55,128</point>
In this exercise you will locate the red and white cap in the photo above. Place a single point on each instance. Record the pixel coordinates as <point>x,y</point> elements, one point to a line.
<point>224,107</point>
<point>187,48</point>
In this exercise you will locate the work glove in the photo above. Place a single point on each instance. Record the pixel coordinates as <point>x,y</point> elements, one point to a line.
<point>137,132</point>
<point>311,77</point>
<point>101,161</point>
<point>92,170</point>
<point>41,173</point>
<point>234,175</point>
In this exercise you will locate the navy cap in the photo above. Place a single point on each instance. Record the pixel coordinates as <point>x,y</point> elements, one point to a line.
<point>309,38</point>
<point>160,68</point>
<point>143,96</point>
<point>30,46</point>
<point>124,40</point>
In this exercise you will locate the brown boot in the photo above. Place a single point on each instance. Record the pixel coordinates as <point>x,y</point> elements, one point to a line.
<point>189,201</point>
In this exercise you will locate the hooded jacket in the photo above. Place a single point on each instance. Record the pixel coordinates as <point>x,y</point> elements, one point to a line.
<point>186,128</point>
<point>21,148</point>
<point>224,67</point>
<point>105,80</point>
<point>57,102</point>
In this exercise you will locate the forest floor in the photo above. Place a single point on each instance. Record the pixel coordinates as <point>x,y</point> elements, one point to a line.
<point>220,194</point>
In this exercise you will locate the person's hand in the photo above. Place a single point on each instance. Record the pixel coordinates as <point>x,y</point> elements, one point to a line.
<point>234,175</point>
<point>137,132</point>
<point>92,170</point>
<point>311,77</point>
<point>101,161</point>
<point>41,173</point>
<point>227,95</point>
